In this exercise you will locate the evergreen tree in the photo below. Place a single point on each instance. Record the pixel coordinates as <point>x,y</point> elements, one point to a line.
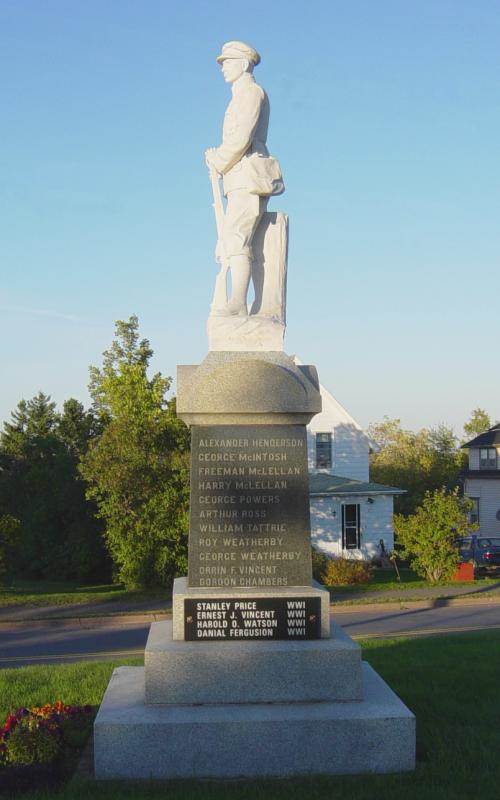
<point>9,545</point>
<point>76,427</point>
<point>59,536</point>
<point>33,422</point>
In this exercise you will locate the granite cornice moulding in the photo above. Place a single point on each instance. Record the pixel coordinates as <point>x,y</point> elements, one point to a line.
<point>247,388</point>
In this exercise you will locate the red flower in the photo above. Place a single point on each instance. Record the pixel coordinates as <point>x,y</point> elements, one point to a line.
<point>11,723</point>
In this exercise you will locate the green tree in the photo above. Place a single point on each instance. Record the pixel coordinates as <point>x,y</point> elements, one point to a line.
<point>76,427</point>
<point>33,421</point>
<point>86,555</point>
<point>427,537</point>
<point>60,537</point>
<point>137,469</point>
<point>9,544</point>
<point>478,422</point>
<point>418,462</point>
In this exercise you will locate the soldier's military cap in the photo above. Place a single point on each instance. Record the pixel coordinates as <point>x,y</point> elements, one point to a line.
<point>239,50</point>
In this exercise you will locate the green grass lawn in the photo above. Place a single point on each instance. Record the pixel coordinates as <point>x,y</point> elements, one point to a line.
<point>36,594</point>
<point>47,593</point>
<point>450,683</point>
<point>386,580</point>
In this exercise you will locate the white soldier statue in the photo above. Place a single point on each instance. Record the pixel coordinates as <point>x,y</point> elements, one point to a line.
<point>250,175</point>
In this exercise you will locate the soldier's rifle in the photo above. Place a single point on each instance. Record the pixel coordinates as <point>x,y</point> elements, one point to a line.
<point>220,292</point>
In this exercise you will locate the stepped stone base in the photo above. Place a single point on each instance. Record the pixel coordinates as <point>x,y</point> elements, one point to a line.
<point>134,740</point>
<point>248,672</point>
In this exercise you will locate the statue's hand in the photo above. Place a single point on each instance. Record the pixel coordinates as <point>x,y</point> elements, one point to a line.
<point>209,153</point>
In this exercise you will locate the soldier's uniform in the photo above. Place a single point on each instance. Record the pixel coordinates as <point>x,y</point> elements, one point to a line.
<point>250,175</point>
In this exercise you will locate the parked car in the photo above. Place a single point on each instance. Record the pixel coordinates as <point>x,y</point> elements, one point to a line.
<point>483,551</point>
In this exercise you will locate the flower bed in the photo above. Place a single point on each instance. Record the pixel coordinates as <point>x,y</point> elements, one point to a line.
<point>39,745</point>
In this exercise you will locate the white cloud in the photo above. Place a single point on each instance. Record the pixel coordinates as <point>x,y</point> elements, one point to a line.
<point>41,312</point>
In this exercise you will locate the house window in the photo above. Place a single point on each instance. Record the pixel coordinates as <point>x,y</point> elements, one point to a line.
<point>474,512</point>
<point>323,450</point>
<point>350,527</point>
<point>487,458</point>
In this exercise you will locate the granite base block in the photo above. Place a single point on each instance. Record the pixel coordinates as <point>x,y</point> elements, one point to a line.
<point>183,592</point>
<point>243,672</point>
<point>133,740</point>
<point>241,334</point>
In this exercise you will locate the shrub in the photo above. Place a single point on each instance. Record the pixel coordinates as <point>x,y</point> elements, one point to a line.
<point>342,571</point>
<point>319,563</point>
<point>428,537</point>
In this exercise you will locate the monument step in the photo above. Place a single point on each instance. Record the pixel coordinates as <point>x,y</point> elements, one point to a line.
<point>137,741</point>
<point>319,670</point>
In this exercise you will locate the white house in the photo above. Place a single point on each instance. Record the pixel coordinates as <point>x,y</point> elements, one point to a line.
<point>350,515</point>
<point>482,480</point>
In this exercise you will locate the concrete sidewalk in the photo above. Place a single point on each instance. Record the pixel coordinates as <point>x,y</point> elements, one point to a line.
<point>17,613</point>
<point>477,589</point>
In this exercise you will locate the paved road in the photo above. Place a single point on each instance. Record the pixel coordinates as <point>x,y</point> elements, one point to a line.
<point>57,644</point>
<point>479,589</point>
<point>415,621</point>
<point>44,642</point>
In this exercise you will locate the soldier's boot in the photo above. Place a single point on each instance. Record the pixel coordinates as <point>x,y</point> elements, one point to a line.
<point>240,278</point>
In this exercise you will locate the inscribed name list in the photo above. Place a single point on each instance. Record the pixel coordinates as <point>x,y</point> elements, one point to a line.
<point>252,619</point>
<point>249,515</point>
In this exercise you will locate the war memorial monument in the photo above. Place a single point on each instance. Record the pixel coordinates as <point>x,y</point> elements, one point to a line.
<point>251,678</point>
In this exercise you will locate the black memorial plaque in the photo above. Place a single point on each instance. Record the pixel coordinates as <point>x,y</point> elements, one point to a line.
<point>252,618</point>
<point>249,514</point>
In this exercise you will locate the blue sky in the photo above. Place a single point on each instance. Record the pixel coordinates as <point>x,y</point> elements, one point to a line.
<point>386,120</point>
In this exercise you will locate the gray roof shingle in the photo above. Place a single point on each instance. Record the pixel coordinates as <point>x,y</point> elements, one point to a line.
<point>322,483</point>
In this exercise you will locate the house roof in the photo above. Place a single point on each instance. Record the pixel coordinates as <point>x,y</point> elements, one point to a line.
<point>489,437</point>
<point>323,483</point>
<point>333,414</point>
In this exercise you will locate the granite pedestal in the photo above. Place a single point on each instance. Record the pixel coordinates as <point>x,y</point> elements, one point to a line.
<point>320,670</point>
<point>246,709</point>
<point>249,680</point>
<point>250,740</point>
